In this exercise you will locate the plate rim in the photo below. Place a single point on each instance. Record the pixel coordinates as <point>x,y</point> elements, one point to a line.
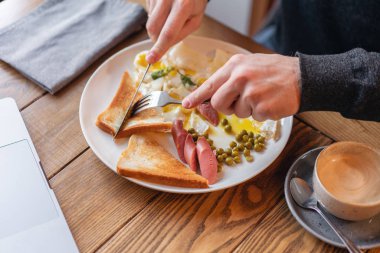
<point>157,187</point>
<point>299,220</point>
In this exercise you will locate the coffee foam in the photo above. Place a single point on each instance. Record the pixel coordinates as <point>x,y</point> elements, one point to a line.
<point>350,172</point>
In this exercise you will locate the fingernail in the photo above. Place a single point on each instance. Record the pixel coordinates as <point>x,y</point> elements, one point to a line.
<point>151,57</point>
<point>186,103</point>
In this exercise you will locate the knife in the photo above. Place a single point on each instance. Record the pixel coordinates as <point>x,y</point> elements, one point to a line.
<point>128,112</point>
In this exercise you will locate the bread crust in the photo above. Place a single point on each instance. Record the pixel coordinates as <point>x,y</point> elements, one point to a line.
<point>147,160</point>
<point>111,117</point>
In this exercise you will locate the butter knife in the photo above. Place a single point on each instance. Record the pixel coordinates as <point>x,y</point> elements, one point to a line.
<point>127,113</point>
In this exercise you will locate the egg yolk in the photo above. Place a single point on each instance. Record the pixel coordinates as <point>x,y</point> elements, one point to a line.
<point>189,72</point>
<point>239,124</point>
<point>143,63</point>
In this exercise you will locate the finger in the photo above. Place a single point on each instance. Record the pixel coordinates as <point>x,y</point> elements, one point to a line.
<point>157,19</point>
<point>208,88</point>
<point>190,26</point>
<point>150,6</point>
<point>258,113</point>
<point>242,109</point>
<point>225,97</point>
<point>168,34</point>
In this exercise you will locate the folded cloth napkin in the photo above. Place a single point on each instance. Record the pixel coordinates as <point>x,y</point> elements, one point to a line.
<point>61,38</point>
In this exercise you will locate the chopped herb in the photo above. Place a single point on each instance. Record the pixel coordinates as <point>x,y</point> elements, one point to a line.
<point>186,80</point>
<point>161,73</point>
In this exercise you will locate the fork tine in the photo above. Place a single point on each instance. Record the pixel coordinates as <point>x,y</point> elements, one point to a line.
<point>143,99</point>
<point>141,105</point>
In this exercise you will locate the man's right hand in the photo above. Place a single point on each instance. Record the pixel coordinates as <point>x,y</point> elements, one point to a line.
<point>170,21</point>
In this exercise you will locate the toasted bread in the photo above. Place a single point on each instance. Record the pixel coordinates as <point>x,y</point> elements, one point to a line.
<point>147,160</point>
<point>148,120</point>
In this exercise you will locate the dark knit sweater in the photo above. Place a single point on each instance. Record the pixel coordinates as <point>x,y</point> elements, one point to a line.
<point>338,43</point>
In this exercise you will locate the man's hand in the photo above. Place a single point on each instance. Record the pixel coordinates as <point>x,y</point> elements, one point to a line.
<point>265,86</point>
<point>170,21</point>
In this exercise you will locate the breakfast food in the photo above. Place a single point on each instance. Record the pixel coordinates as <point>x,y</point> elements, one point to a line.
<point>147,160</point>
<point>148,120</point>
<point>205,140</point>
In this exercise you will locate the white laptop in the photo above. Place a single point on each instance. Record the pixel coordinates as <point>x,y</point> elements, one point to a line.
<point>30,217</point>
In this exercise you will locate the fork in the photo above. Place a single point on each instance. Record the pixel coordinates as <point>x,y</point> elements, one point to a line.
<point>154,99</point>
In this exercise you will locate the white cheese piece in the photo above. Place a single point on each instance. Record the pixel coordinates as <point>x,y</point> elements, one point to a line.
<point>198,123</point>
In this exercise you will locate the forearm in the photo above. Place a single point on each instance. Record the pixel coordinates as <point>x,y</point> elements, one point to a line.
<point>348,83</point>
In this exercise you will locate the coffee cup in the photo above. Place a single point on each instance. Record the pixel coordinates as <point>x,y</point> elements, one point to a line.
<point>346,180</point>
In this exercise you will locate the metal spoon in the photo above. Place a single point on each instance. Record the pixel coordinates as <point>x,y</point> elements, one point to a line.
<point>305,197</point>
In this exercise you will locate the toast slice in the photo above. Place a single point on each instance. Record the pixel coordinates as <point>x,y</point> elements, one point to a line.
<point>147,160</point>
<point>111,118</point>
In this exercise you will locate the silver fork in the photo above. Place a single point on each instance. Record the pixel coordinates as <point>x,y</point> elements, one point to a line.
<point>154,99</point>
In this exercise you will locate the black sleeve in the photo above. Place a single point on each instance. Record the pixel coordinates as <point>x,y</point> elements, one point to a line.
<point>348,83</point>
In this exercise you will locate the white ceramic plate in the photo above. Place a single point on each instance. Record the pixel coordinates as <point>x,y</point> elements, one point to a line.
<point>101,88</point>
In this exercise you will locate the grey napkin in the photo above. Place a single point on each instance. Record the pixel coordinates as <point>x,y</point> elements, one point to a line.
<point>61,38</point>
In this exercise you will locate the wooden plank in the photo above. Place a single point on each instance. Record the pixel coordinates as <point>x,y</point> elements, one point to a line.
<point>280,232</point>
<point>342,129</point>
<point>53,121</point>
<point>95,201</point>
<point>217,221</point>
<point>214,29</point>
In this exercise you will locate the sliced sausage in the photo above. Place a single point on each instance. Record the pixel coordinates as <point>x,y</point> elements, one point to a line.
<point>210,114</point>
<point>190,152</point>
<point>179,136</point>
<point>207,160</point>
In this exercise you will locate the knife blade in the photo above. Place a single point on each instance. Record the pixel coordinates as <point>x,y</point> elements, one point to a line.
<point>128,112</point>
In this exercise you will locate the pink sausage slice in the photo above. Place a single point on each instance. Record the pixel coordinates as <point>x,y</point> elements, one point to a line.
<point>179,136</point>
<point>207,160</point>
<point>190,152</point>
<point>207,111</point>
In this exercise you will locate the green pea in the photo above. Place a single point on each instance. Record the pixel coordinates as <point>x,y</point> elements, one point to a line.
<point>244,132</point>
<point>257,148</point>
<point>235,149</point>
<point>237,159</point>
<point>246,152</point>
<point>235,153</point>
<point>228,151</point>
<point>220,168</point>
<point>213,147</point>
<point>251,135</point>
<point>228,128</point>
<point>219,151</point>
<point>251,140</point>
<point>195,136</point>
<point>220,158</point>
<point>224,122</point>
<point>261,139</point>
<point>239,138</point>
<point>249,158</point>
<point>233,144</point>
<point>256,142</point>
<point>245,138</point>
<point>240,147</point>
<point>210,141</point>
<point>205,135</point>
<point>224,155</point>
<point>248,145</point>
<point>229,161</point>
<point>191,130</point>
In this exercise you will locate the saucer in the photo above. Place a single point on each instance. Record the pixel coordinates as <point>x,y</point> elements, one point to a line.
<point>365,234</point>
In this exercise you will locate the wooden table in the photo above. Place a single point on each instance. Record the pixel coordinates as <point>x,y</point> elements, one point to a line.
<point>107,213</point>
